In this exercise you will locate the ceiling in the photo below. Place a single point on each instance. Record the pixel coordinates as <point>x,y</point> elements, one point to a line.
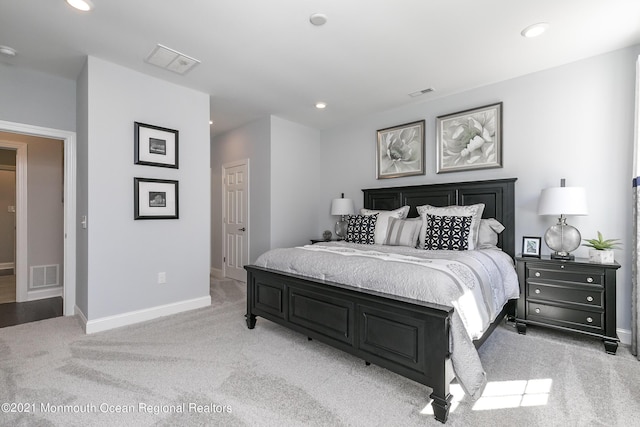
<point>265,57</point>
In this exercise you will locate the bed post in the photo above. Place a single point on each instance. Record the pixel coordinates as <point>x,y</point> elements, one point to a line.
<point>440,368</point>
<point>250,318</point>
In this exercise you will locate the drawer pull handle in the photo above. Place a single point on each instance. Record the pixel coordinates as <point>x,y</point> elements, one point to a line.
<point>537,274</point>
<point>537,291</point>
<point>589,279</point>
<point>589,319</point>
<point>538,310</point>
<point>590,298</point>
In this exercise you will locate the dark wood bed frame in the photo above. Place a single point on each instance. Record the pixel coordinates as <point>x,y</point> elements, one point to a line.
<point>406,336</point>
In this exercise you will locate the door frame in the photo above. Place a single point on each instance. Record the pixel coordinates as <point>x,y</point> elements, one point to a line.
<point>69,140</point>
<point>226,166</point>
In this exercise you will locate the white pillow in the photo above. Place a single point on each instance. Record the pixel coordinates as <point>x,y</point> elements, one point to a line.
<point>403,232</point>
<point>474,211</point>
<point>383,221</point>
<point>488,233</point>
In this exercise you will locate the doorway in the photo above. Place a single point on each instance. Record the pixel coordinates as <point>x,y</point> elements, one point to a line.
<point>69,213</point>
<point>235,214</point>
<point>7,226</point>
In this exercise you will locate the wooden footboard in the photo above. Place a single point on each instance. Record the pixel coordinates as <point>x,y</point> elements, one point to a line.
<point>406,336</point>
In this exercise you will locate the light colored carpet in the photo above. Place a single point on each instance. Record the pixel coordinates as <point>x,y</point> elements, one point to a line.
<point>271,376</point>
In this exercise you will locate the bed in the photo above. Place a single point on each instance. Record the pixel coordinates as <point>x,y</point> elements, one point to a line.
<point>411,337</point>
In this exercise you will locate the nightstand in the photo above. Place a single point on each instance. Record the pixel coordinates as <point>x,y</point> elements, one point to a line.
<point>314,241</point>
<point>577,296</point>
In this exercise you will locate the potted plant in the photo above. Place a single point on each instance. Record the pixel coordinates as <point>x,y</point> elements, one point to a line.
<point>601,250</point>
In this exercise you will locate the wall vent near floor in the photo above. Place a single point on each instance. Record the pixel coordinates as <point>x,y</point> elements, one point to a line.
<point>44,276</point>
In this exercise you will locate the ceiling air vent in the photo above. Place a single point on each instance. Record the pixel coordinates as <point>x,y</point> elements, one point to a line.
<point>172,60</point>
<point>421,92</point>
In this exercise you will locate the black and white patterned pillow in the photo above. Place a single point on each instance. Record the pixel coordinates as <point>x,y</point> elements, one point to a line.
<point>361,229</point>
<point>447,232</point>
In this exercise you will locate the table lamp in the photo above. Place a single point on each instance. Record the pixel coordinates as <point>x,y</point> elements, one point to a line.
<point>562,238</point>
<point>341,207</point>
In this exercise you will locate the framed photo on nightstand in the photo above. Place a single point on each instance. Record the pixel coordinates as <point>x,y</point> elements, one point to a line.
<point>531,246</point>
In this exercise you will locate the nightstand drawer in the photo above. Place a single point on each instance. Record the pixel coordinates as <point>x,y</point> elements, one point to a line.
<point>573,295</point>
<point>561,316</point>
<point>543,272</point>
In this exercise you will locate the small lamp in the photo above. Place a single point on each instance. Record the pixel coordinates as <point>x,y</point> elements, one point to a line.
<point>562,238</point>
<point>341,207</point>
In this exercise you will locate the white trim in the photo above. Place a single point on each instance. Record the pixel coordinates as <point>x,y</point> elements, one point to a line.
<point>133,317</point>
<point>80,314</point>
<point>7,265</point>
<point>44,293</point>
<point>21,256</point>
<point>69,139</point>
<point>625,336</point>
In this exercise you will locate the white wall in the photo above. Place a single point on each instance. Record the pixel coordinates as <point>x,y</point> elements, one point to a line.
<point>36,98</point>
<point>124,255</point>
<point>295,183</point>
<point>252,142</point>
<point>285,177</point>
<point>573,122</point>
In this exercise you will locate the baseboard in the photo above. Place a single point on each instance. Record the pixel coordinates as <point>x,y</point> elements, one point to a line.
<point>6,266</point>
<point>44,293</point>
<point>132,317</point>
<point>625,336</point>
<point>217,273</point>
<point>80,314</point>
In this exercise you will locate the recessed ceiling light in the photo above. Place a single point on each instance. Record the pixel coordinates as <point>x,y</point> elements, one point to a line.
<point>321,105</point>
<point>83,5</point>
<point>8,51</point>
<point>535,30</point>
<point>318,19</point>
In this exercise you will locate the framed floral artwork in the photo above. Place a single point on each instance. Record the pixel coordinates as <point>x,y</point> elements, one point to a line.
<point>400,151</point>
<point>470,139</point>
<point>531,246</point>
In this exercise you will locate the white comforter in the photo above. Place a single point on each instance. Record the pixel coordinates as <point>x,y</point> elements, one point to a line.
<point>476,283</point>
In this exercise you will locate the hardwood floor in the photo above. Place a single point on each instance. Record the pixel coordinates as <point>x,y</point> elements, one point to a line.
<point>15,313</point>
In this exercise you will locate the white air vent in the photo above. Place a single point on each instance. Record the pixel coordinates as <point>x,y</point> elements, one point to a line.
<point>421,92</point>
<point>172,60</point>
<point>44,276</point>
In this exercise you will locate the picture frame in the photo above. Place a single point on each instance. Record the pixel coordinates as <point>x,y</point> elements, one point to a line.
<point>155,198</point>
<point>470,139</point>
<point>531,246</point>
<point>400,150</point>
<point>155,146</point>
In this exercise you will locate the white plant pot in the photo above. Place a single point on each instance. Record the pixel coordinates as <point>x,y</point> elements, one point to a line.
<point>602,257</point>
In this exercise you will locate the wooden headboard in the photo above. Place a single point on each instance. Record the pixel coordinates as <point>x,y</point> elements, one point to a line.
<point>497,195</point>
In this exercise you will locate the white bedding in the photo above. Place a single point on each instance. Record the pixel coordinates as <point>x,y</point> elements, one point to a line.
<point>476,283</point>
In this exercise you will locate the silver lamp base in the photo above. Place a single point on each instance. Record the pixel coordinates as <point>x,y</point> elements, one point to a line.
<point>341,228</point>
<point>562,238</point>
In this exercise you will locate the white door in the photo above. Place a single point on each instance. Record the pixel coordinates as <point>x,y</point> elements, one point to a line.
<point>235,219</point>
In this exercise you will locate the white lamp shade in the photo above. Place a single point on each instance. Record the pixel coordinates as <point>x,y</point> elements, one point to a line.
<point>342,207</point>
<point>563,201</point>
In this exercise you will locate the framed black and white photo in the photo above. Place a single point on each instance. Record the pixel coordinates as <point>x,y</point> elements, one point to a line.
<point>155,198</point>
<point>531,246</point>
<point>400,151</point>
<point>155,146</point>
<point>470,139</point>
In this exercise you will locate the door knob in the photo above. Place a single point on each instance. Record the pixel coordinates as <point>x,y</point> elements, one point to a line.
<point>242,229</point>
